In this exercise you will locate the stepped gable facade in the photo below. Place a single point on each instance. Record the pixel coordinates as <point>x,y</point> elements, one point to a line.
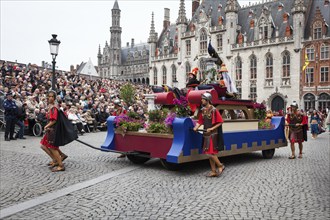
<point>315,86</point>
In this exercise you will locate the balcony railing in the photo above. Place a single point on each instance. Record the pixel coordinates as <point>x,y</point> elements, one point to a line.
<point>262,42</point>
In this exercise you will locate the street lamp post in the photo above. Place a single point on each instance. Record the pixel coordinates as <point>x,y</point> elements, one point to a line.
<point>54,44</point>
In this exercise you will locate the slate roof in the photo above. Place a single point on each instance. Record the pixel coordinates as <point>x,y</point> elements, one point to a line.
<point>81,67</point>
<point>172,32</point>
<point>206,6</point>
<point>116,6</point>
<point>137,47</point>
<point>325,12</point>
<point>276,15</point>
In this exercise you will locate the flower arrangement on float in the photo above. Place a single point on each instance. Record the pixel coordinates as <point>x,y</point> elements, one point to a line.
<point>156,121</point>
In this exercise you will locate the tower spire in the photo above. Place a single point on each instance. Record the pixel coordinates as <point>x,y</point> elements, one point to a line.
<point>152,34</point>
<point>182,19</point>
<point>99,53</point>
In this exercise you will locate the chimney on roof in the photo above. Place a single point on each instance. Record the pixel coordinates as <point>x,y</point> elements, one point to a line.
<point>166,22</point>
<point>132,43</point>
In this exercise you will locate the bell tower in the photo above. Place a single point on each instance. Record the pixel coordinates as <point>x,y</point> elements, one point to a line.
<point>115,41</point>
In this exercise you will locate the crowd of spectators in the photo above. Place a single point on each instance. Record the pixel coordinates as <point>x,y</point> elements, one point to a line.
<point>87,102</point>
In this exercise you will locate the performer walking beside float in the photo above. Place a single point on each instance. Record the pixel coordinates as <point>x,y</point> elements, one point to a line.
<point>295,121</point>
<point>47,145</point>
<point>213,140</point>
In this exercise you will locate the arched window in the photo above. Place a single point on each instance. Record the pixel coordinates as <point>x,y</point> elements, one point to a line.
<point>324,101</point>
<point>238,68</point>
<point>309,101</point>
<point>155,76</point>
<point>269,66</point>
<point>188,69</point>
<point>202,66</point>
<point>317,30</point>
<point>203,42</point>
<point>253,67</point>
<point>324,52</point>
<point>286,64</point>
<point>164,75</point>
<point>263,28</point>
<point>174,79</point>
<point>310,53</point>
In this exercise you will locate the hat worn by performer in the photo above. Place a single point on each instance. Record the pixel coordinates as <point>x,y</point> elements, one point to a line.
<point>207,96</point>
<point>294,104</point>
<point>193,82</point>
<point>194,71</point>
<point>223,68</point>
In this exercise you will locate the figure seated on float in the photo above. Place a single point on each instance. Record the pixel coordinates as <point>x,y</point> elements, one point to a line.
<point>192,79</point>
<point>226,82</point>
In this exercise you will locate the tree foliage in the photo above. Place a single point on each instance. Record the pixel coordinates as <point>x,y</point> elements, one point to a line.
<point>127,93</point>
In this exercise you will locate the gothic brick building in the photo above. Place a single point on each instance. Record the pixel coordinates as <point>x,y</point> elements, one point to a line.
<point>262,46</point>
<point>315,86</point>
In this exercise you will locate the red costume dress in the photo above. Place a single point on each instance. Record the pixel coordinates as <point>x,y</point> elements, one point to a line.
<point>209,117</point>
<point>52,116</point>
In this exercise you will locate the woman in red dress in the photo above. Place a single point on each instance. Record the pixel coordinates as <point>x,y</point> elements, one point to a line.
<point>212,120</point>
<point>53,151</point>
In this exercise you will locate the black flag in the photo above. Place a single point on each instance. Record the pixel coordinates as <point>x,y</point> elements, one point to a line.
<point>214,54</point>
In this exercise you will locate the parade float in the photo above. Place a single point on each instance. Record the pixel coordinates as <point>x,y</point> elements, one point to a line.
<point>241,134</point>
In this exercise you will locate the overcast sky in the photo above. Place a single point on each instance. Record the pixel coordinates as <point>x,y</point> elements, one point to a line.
<point>26,27</point>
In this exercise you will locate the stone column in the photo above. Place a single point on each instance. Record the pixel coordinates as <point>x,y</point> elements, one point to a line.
<point>151,101</point>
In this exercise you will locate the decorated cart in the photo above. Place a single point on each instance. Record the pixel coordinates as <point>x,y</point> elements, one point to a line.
<point>185,145</point>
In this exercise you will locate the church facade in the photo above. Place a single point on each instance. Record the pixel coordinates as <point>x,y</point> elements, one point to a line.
<point>262,45</point>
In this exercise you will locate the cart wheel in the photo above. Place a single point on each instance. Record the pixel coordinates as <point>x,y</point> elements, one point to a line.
<point>170,166</point>
<point>37,130</point>
<point>268,154</point>
<point>137,159</point>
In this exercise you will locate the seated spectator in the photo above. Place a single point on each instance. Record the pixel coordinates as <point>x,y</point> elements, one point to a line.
<point>103,116</point>
<point>91,122</point>
<point>73,117</point>
<point>41,117</point>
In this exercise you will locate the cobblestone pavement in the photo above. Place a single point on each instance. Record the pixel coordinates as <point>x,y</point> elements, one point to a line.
<point>250,188</point>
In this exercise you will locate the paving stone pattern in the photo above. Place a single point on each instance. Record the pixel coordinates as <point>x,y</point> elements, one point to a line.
<point>250,187</point>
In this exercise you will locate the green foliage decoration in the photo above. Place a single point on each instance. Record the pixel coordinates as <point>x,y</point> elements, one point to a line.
<point>158,127</point>
<point>158,115</point>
